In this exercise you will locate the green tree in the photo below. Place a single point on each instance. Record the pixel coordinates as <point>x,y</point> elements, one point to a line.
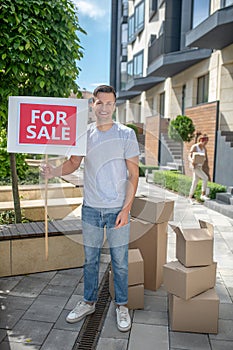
<point>39,50</point>
<point>181,129</point>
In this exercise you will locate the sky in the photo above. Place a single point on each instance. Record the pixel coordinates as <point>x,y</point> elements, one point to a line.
<point>94,17</point>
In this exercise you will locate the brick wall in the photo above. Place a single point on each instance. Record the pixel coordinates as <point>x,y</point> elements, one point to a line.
<point>152,140</point>
<point>204,118</point>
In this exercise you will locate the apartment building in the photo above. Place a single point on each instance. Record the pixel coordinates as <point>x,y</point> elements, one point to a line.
<point>171,57</point>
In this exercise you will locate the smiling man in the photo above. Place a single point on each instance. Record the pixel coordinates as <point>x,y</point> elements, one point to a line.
<point>110,183</point>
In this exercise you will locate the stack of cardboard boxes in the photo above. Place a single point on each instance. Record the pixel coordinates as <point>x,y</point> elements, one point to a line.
<point>147,247</point>
<point>193,302</point>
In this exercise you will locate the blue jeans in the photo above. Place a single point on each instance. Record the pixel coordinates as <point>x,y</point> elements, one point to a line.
<point>94,220</point>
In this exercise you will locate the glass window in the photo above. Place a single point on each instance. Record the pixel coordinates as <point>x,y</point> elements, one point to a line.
<point>203,89</point>
<point>131,28</point>
<point>138,65</point>
<point>152,7</point>
<point>139,16</point>
<point>183,99</point>
<point>123,75</point>
<point>130,71</point>
<point>226,3</point>
<point>124,33</point>
<point>162,104</point>
<point>201,10</point>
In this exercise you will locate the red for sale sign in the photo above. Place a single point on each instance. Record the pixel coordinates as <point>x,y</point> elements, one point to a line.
<point>47,125</point>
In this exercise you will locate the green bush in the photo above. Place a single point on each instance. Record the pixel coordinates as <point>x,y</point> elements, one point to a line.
<point>143,168</point>
<point>134,127</point>
<point>180,183</point>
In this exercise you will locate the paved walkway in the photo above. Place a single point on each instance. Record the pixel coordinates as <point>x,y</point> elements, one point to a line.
<point>34,307</point>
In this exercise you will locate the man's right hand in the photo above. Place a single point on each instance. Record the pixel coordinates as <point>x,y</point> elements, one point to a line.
<point>47,171</point>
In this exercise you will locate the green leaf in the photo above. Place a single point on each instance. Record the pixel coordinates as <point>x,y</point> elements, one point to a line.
<point>4,56</point>
<point>42,84</point>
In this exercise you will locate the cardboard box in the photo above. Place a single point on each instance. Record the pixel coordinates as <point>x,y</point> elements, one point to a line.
<point>199,158</point>
<point>187,282</point>
<point>198,314</point>
<point>151,239</point>
<point>136,267</point>
<point>154,210</point>
<point>194,246</point>
<point>135,294</point>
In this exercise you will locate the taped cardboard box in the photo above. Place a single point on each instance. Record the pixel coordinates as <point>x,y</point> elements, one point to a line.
<point>135,294</point>
<point>136,267</point>
<point>151,240</point>
<point>199,158</point>
<point>198,314</point>
<point>154,210</point>
<point>194,246</point>
<point>187,282</point>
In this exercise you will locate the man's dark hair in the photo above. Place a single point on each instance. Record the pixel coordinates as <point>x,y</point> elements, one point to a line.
<point>104,88</point>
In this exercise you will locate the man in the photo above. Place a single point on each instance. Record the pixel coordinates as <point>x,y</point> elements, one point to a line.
<point>110,183</point>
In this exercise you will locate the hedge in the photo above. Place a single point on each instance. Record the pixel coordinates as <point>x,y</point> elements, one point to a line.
<point>180,183</point>
<point>143,168</point>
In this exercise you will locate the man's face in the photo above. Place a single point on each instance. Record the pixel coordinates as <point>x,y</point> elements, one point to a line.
<point>104,106</point>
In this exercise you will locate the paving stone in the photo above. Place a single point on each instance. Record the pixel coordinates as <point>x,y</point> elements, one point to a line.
<point>62,324</point>
<point>150,317</point>
<point>155,303</point>
<point>18,303</point>
<point>8,318</point>
<point>60,340</point>
<point>80,289</point>
<point>46,308</point>
<point>44,275</point>
<point>222,292</point>
<point>29,287</point>
<point>72,302</point>
<point>56,290</point>
<point>77,272</point>
<point>8,283</point>
<point>18,346</point>
<point>221,345</point>
<point>226,312</point>
<point>110,329</point>
<point>145,337</point>
<point>225,331</point>
<point>32,332</point>
<point>113,344</point>
<point>190,341</point>
<point>61,279</point>
<point>3,333</point>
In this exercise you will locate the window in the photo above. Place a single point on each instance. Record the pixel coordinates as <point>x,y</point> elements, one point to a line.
<point>138,65</point>
<point>130,71</point>
<point>202,89</point>
<point>162,104</point>
<point>123,75</point>
<point>226,3</point>
<point>152,7</point>
<point>183,99</point>
<point>201,10</point>
<point>139,17</point>
<point>131,35</point>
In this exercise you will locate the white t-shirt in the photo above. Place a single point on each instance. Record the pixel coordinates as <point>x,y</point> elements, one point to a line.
<point>105,171</point>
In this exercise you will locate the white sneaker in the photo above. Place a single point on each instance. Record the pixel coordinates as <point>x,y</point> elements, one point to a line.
<point>81,310</point>
<point>204,198</point>
<point>123,318</point>
<point>192,201</point>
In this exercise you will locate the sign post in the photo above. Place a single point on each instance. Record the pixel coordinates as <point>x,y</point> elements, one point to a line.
<point>44,125</point>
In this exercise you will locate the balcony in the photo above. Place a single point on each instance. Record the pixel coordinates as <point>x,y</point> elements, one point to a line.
<point>213,33</point>
<point>156,49</point>
<point>170,64</point>
<point>143,84</point>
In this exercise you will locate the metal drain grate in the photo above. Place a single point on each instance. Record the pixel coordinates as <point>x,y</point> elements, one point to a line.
<point>92,326</point>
